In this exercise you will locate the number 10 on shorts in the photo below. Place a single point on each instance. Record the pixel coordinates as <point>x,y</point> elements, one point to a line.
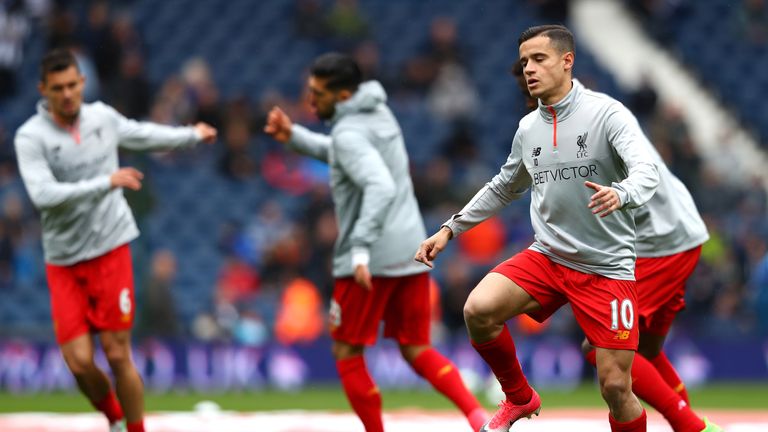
<point>627,313</point>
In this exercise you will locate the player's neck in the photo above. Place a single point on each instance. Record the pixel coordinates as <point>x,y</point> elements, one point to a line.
<point>558,94</point>
<point>67,122</point>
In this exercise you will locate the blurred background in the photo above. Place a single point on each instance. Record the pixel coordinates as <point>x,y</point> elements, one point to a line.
<point>233,265</point>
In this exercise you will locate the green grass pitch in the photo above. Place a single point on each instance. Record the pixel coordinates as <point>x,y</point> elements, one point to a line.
<point>720,396</point>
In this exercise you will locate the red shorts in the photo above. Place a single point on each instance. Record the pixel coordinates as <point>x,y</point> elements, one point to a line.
<point>661,288</point>
<point>93,295</point>
<point>604,308</point>
<point>402,302</point>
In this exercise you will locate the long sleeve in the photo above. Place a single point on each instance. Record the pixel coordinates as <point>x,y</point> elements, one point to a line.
<point>137,135</point>
<point>43,188</point>
<point>365,167</point>
<point>310,143</point>
<point>624,134</point>
<point>509,184</point>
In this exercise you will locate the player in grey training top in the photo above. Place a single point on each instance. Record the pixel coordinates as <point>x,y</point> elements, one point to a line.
<point>67,156</point>
<point>580,154</point>
<point>379,227</point>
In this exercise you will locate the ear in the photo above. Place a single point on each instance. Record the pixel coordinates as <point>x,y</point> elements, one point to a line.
<point>568,61</point>
<point>41,87</point>
<point>344,95</point>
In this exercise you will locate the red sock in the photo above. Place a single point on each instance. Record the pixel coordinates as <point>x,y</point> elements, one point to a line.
<point>136,426</point>
<point>110,406</point>
<point>445,378</point>
<point>636,425</point>
<point>362,392</point>
<point>501,356</point>
<point>668,372</point>
<point>649,386</point>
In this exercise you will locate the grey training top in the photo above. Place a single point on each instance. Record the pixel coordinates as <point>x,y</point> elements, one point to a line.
<point>68,181</point>
<point>376,209</point>
<point>587,136</point>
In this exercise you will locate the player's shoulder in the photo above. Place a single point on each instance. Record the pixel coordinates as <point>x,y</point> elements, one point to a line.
<point>528,121</point>
<point>97,107</point>
<point>601,100</point>
<point>33,126</point>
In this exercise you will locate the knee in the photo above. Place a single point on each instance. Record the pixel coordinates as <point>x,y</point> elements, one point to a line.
<point>410,352</point>
<point>79,363</point>
<point>615,386</point>
<point>343,351</point>
<point>118,355</point>
<point>477,314</point>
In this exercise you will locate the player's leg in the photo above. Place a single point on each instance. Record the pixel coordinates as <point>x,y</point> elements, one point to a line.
<point>128,383</point>
<point>69,307</point>
<point>495,300</point>
<point>651,347</point>
<point>354,316</point>
<point>613,374</point>
<point>649,386</point>
<point>661,291</point>
<point>109,280</point>
<point>408,320</point>
<point>92,381</point>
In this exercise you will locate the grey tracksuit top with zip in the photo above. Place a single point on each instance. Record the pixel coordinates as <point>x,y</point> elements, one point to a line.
<point>376,209</point>
<point>587,136</point>
<point>69,182</point>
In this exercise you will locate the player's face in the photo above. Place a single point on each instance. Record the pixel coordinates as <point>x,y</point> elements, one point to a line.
<point>546,70</point>
<point>64,92</point>
<point>322,100</point>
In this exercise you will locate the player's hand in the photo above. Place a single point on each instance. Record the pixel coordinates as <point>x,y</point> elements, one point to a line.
<point>363,276</point>
<point>129,178</point>
<point>432,246</point>
<point>278,125</point>
<point>206,132</point>
<point>605,201</point>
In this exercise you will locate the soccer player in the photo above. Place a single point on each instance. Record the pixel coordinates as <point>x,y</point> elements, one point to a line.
<point>379,228</point>
<point>670,233</point>
<point>580,155</point>
<point>67,155</point>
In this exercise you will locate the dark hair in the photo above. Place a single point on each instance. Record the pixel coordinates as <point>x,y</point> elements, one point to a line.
<point>340,70</point>
<point>560,37</point>
<point>56,61</point>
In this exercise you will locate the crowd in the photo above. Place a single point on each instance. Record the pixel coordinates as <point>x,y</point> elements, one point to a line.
<point>274,281</point>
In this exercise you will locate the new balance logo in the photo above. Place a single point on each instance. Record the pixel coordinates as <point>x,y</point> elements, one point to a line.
<point>536,151</point>
<point>581,141</point>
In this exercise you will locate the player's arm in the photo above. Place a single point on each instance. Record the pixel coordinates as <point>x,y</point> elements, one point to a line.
<point>43,188</point>
<point>136,135</point>
<point>297,137</point>
<point>509,184</point>
<point>627,138</point>
<point>365,167</point>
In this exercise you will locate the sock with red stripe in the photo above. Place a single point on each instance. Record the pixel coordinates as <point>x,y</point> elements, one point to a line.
<point>649,386</point>
<point>136,426</point>
<point>362,392</point>
<point>501,356</point>
<point>445,378</point>
<point>110,407</point>
<point>637,425</point>
<point>668,372</point>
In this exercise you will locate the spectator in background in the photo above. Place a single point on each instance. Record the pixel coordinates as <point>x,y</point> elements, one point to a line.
<point>300,315</point>
<point>752,21</point>
<point>237,163</point>
<point>129,91</point>
<point>305,20</point>
<point>14,27</point>
<point>347,25</point>
<point>159,312</point>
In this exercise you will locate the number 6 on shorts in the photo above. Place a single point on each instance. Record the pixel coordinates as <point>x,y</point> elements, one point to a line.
<point>627,314</point>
